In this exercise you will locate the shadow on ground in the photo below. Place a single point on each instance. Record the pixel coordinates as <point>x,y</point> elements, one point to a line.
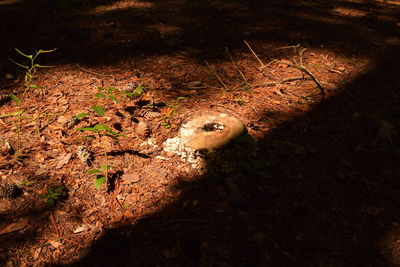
<point>106,32</point>
<point>332,192</point>
<point>331,198</point>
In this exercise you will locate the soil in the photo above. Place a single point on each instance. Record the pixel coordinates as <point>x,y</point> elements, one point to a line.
<point>316,84</point>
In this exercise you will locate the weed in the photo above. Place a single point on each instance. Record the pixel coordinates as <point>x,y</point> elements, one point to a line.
<point>101,130</point>
<point>20,155</point>
<point>169,116</point>
<point>31,68</point>
<point>53,195</point>
<point>101,175</point>
<point>116,95</point>
<point>15,113</point>
<point>75,120</point>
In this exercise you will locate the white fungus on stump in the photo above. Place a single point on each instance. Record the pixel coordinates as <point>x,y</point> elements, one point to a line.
<point>208,142</point>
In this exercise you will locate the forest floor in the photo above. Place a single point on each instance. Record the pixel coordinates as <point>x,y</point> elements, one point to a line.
<point>316,83</point>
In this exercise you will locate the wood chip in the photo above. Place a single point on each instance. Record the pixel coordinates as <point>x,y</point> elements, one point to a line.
<point>63,160</point>
<point>15,226</point>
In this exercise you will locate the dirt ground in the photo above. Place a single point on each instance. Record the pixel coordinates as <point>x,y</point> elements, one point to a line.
<point>316,84</point>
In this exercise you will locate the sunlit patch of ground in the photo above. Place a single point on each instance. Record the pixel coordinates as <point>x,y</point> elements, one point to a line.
<point>267,82</point>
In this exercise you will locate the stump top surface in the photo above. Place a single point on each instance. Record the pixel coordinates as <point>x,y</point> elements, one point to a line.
<point>211,131</point>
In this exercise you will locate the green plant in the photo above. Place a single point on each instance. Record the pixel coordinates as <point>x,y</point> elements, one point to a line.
<point>169,116</point>
<point>101,175</point>
<point>116,94</point>
<point>31,68</point>
<point>101,130</point>
<point>53,195</point>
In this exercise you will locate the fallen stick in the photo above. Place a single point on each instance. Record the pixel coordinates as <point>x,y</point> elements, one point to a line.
<point>94,73</point>
<point>234,64</point>
<point>216,74</point>
<point>302,68</point>
<point>255,55</point>
<point>287,47</point>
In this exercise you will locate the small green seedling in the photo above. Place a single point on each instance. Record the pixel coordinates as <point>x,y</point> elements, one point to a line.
<point>101,130</point>
<point>53,195</point>
<point>169,116</point>
<point>101,175</point>
<point>26,183</point>
<point>99,110</point>
<point>30,70</point>
<point>117,95</point>
<point>15,98</point>
<point>15,113</point>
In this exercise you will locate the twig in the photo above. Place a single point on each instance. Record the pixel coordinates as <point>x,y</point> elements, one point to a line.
<point>55,225</point>
<point>216,75</point>
<point>336,71</point>
<point>255,55</point>
<point>287,47</point>
<point>294,79</point>
<point>234,64</point>
<point>258,114</point>
<point>263,84</point>
<point>302,68</point>
<point>272,61</point>
<point>53,120</point>
<point>301,56</point>
<point>94,73</point>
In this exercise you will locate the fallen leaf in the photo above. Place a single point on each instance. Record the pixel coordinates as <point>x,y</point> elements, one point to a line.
<point>128,214</point>
<point>55,243</point>
<point>15,226</point>
<point>80,229</point>
<point>131,177</point>
<point>37,253</point>
<point>116,217</point>
<point>63,160</point>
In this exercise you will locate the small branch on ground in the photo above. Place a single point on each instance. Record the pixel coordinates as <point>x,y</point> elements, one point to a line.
<point>263,84</point>
<point>53,120</point>
<point>94,73</point>
<point>255,55</point>
<point>212,68</point>
<point>288,47</point>
<point>294,79</point>
<point>55,225</point>
<point>234,64</point>
<point>302,68</point>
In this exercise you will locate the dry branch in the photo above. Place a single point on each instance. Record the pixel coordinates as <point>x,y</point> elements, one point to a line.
<point>255,55</point>
<point>234,64</point>
<point>288,47</point>
<point>94,73</point>
<point>216,74</point>
<point>302,68</point>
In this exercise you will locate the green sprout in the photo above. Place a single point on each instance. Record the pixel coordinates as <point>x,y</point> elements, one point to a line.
<point>31,68</point>
<point>169,116</point>
<point>101,130</point>
<point>101,175</point>
<point>116,94</point>
<point>53,195</point>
